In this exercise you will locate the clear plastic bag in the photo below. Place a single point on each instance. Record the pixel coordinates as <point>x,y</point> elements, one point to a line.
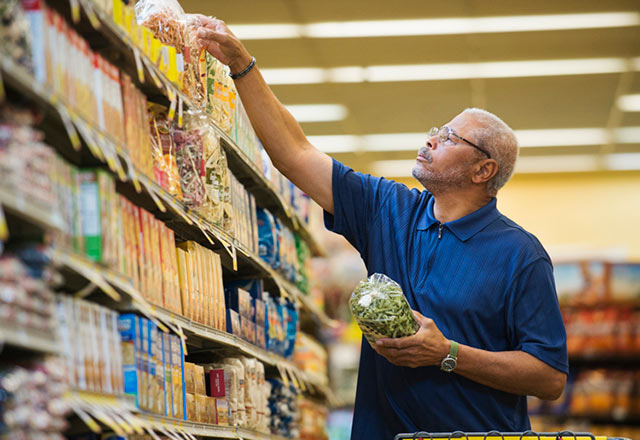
<point>381,309</point>
<point>163,150</point>
<point>165,18</point>
<point>189,152</point>
<point>169,24</point>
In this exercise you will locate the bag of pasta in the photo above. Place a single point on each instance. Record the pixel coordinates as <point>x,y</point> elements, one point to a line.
<point>381,309</point>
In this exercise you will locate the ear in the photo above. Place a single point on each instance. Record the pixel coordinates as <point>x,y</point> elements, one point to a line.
<point>485,171</point>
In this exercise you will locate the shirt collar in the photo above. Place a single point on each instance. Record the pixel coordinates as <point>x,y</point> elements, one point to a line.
<point>466,227</point>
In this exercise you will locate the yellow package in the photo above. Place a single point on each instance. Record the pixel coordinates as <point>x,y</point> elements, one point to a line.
<point>198,380</point>
<point>191,408</point>
<point>183,276</point>
<point>188,377</point>
<point>202,415</point>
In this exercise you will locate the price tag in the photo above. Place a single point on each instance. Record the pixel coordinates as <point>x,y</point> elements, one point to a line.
<point>152,432</point>
<point>4,229</point>
<point>136,54</point>
<point>180,111</point>
<point>293,377</point>
<point>91,424</point>
<point>75,11</point>
<point>93,18</point>
<point>283,374</point>
<point>2,92</point>
<point>153,196</point>
<point>153,74</point>
<point>172,106</point>
<point>104,418</point>
<point>133,174</point>
<point>68,126</point>
<point>234,257</point>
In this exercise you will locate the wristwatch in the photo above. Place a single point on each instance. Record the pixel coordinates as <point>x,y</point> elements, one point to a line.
<point>449,363</point>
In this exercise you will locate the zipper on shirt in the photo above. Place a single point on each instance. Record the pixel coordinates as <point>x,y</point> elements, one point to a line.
<point>439,231</point>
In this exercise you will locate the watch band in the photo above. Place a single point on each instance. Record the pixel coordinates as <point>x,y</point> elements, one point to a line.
<point>450,362</point>
<point>453,351</point>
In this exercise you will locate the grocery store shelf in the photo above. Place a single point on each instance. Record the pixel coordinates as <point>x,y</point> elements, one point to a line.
<point>188,224</point>
<point>116,286</point>
<point>17,203</point>
<point>15,335</point>
<point>157,86</point>
<point>619,360</point>
<point>208,430</point>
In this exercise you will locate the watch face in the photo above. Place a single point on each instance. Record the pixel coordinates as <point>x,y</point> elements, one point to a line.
<point>448,364</point>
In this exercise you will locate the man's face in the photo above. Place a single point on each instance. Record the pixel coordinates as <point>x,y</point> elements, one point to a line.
<point>446,166</point>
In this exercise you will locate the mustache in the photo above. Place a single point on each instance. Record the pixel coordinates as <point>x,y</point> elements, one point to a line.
<point>426,153</point>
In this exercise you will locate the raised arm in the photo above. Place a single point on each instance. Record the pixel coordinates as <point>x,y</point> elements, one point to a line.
<point>281,135</point>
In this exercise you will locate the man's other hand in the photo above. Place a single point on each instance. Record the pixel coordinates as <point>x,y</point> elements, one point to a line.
<point>427,347</point>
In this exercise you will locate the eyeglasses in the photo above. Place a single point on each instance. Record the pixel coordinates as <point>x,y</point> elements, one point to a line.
<point>444,134</point>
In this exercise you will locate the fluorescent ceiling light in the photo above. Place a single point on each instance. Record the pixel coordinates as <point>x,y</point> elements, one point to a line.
<point>623,161</point>
<point>336,143</point>
<point>392,168</point>
<point>629,103</point>
<point>272,31</point>
<point>561,137</point>
<point>628,135</point>
<point>296,75</point>
<point>557,164</point>
<point>554,137</point>
<point>438,26</point>
<point>453,71</point>
<point>318,112</point>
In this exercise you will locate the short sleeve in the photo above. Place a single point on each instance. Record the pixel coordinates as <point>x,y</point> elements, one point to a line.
<point>357,199</point>
<point>533,316</point>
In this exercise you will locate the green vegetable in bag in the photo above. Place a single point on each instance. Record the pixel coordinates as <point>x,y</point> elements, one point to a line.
<point>381,309</point>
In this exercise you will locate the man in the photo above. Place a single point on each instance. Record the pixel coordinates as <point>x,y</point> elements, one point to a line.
<point>482,287</point>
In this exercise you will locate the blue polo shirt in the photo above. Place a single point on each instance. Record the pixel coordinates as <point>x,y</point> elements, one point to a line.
<point>484,280</point>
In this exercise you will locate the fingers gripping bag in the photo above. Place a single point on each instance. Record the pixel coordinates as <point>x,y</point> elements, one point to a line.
<point>381,309</point>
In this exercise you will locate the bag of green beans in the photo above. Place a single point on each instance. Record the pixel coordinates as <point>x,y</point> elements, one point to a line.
<point>381,309</point>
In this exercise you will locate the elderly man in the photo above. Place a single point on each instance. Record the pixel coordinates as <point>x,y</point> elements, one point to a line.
<point>481,287</point>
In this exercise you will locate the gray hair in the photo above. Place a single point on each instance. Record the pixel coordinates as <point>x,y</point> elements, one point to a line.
<point>500,141</point>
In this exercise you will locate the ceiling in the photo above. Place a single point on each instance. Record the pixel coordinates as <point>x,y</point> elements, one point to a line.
<point>398,107</point>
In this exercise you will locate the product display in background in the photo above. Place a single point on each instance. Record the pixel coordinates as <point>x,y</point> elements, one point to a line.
<point>597,282</point>
<point>283,404</point>
<point>282,250</point>
<point>201,285</point>
<point>257,317</point>
<point>609,331</point>
<point>381,310</point>
<point>90,346</point>
<point>311,357</point>
<point>153,366</point>
<point>601,393</point>
<point>239,383</point>
<point>32,400</point>
<point>312,420</point>
<point>27,164</point>
<point>25,298</point>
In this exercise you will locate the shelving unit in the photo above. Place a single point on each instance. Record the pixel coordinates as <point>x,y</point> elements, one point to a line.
<point>150,195</point>
<point>28,339</point>
<point>82,143</point>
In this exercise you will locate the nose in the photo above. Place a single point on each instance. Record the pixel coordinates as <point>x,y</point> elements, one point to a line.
<point>429,144</point>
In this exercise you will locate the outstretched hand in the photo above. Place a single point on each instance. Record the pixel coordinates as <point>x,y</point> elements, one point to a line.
<point>217,38</point>
<point>427,347</point>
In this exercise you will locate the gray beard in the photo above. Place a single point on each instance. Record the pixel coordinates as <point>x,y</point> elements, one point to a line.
<point>441,182</point>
